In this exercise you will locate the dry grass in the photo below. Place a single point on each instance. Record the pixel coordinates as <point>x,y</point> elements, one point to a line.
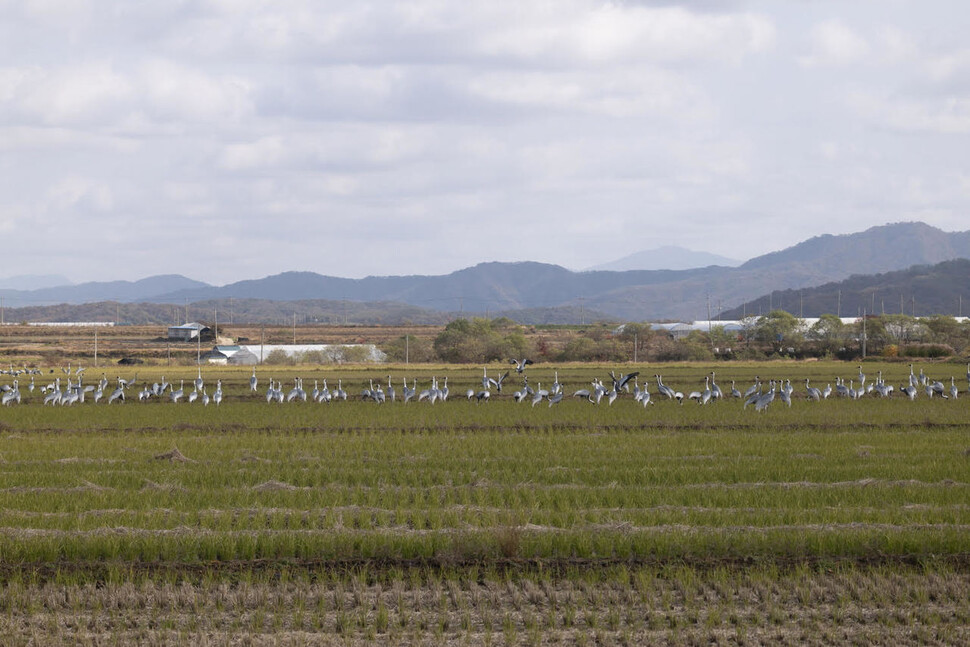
<point>621,607</point>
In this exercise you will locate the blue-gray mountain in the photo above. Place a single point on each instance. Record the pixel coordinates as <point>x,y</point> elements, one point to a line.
<point>921,290</point>
<point>629,295</point>
<point>668,257</point>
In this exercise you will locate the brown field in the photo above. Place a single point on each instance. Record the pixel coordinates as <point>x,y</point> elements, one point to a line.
<point>48,346</point>
<point>677,606</point>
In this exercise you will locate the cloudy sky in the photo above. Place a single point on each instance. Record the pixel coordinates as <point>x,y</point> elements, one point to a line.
<point>232,139</point>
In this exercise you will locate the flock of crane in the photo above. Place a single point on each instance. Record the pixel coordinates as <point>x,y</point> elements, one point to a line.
<point>758,395</point>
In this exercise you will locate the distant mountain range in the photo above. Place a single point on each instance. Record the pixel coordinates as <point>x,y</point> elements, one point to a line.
<point>920,290</point>
<point>544,292</point>
<point>33,281</point>
<point>667,257</point>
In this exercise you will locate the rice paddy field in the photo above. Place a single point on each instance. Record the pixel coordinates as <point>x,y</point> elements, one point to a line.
<point>493,523</point>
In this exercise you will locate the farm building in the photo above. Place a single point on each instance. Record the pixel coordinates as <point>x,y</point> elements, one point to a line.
<point>221,354</point>
<point>189,332</point>
<point>243,358</point>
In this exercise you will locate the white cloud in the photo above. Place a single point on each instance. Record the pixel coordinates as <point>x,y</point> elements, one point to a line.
<point>609,33</point>
<point>949,115</point>
<point>466,131</point>
<point>74,95</point>
<point>174,91</point>
<point>835,43</point>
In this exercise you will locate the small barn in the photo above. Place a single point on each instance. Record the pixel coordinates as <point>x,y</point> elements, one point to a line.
<point>221,354</point>
<point>243,358</point>
<point>189,332</point>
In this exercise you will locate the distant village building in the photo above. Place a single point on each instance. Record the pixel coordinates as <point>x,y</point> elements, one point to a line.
<point>243,358</point>
<point>189,332</point>
<point>221,354</point>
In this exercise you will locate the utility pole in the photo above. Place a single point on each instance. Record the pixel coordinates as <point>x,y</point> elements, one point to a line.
<point>294,328</point>
<point>95,348</point>
<point>863,334</point>
<point>407,349</point>
<point>838,310</point>
<point>708,315</point>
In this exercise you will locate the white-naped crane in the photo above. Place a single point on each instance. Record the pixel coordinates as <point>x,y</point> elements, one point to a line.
<point>556,386</point>
<point>764,400</point>
<point>663,388</point>
<point>176,395</point>
<point>539,394</point>
<point>253,381</point>
<point>716,392</point>
<point>520,364</point>
<point>13,395</point>
<point>643,397</point>
<point>296,393</point>
<point>556,398</point>
<point>754,388</point>
<point>523,393</point>
<point>117,394</point>
<point>813,393</point>
<point>623,381</point>
<point>409,392</point>
<point>491,383</point>
<point>324,396</point>
<point>753,398</point>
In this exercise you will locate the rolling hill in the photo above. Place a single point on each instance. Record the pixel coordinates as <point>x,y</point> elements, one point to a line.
<point>922,290</point>
<point>539,287</point>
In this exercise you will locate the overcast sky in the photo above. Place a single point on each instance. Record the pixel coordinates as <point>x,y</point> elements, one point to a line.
<point>233,139</point>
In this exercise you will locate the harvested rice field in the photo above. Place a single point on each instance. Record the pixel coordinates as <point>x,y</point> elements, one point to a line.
<point>487,522</point>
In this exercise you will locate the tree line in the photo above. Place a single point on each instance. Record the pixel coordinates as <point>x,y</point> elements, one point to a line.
<point>777,334</point>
